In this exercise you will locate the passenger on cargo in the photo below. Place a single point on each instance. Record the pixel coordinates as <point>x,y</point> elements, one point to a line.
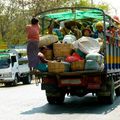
<point>42,66</point>
<point>111,33</point>
<point>87,32</point>
<point>99,30</point>
<point>53,28</point>
<point>64,31</point>
<point>56,30</point>
<point>75,31</point>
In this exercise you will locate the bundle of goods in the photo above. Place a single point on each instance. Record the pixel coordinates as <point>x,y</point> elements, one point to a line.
<point>69,39</point>
<point>57,67</point>
<point>87,45</point>
<point>42,67</point>
<point>62,49</point>
<point>76,61</point>
<point>78,51</point>
<point>73,58</point>
<point>47,40</point>
<point>94,61</point>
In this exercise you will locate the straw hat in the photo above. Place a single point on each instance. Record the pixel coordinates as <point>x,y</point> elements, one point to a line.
<point>99,24</point>
<point>69,24</point>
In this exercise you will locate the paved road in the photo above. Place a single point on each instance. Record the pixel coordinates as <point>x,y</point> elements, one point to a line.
<point>28,102</point>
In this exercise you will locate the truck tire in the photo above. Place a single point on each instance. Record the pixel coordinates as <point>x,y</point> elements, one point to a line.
<point>8,84</point>
<point>110,99</point>
<point>117,91</point>
<point>54,98</point>
<point>15,81</point>
<point>27,79</point>
<point>110,88</point>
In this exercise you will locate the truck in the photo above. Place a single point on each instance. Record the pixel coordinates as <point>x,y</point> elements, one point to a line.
<point>13,68</point>
<point>105,84</point>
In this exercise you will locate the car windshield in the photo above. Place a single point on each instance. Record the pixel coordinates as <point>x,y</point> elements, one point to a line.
<point>4,61</point>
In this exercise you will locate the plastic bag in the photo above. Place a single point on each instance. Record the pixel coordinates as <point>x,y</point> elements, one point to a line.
<point>87,45</point>
<point>73,58</point>
<point>69,39</point>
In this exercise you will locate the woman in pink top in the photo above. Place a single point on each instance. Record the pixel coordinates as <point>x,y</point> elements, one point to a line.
<point>33,31</point>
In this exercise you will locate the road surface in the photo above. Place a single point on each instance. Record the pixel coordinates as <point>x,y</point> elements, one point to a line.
<point>28,102</point>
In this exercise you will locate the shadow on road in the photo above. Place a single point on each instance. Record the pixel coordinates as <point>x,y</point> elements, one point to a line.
<point>84,105</point>
<point>11,86</point>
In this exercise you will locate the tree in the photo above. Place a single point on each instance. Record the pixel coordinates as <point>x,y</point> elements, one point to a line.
<point>15,14</point>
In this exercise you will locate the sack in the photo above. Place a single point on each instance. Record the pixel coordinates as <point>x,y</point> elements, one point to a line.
<point>73,58</point>
<point>78,51</point>
<point>87,45</point>
<point>93,65</point>
<point>42,67</point>
<point>69,39</point>
<point>96,57</point>
<point>47,40</point>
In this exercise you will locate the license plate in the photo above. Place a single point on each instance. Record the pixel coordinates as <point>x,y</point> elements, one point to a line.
<point>71,82</point>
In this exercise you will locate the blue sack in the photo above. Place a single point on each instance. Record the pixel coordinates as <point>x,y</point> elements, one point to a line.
<point>42,67</point>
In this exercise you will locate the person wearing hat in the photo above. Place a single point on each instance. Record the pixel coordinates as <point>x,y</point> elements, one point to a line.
<point>87,32</point>
<point>99,30</point>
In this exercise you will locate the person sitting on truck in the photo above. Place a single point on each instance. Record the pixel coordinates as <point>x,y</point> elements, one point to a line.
<point>99,30</point>
<point>87,32</point>
<point>111,33</point>
<point>42,66</point>
<point>53,28</point>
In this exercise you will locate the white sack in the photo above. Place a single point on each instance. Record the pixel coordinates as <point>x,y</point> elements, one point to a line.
<point>87,45</point>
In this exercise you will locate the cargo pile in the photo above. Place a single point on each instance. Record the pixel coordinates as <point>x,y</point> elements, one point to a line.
<point>78,55</point>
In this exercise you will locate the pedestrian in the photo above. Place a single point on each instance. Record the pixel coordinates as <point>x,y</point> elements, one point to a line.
<point>33,35</point>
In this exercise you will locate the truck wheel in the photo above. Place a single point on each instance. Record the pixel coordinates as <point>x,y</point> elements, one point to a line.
<point>51,100</point>
<point>117,91</point>
<point>8,84</point>
<point>60,99</point>
<point>111,88</point>
<point>55,99</point>
<point>27,79</point>
<point>108,99</point>
<point>15,81</point>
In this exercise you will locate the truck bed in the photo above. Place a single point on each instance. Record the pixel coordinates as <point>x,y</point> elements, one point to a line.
<point>75,73</point>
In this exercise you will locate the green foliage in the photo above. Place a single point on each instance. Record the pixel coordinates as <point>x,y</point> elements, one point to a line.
<point>15,15</point>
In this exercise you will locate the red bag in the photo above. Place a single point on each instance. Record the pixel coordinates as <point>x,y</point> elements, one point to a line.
<point>75,57</point>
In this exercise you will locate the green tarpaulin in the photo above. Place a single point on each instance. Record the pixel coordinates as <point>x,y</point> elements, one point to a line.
<point>76,15</point>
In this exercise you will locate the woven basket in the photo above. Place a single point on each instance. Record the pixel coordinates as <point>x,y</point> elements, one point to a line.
<point>48,54</point>
<point>57,67</point>
<point>78,65</point>
<point>62,49</point>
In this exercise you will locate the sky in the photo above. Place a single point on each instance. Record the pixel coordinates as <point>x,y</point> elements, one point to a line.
<point>114,6</point>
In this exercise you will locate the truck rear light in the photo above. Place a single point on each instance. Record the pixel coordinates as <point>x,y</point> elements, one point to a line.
<point>93,82</point>
<point>46,80</point>
<point>94,79</point>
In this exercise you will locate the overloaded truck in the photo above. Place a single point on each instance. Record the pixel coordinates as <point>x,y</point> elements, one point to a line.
<point>57,81</point>
<point>13,68</point>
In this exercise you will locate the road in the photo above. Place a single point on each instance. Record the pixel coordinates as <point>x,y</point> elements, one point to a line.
<point>28,102</point>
